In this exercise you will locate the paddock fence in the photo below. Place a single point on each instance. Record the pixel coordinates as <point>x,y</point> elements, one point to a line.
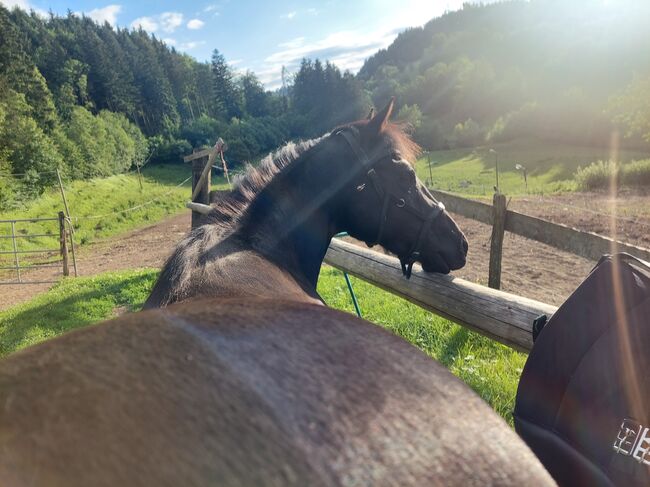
<point>16,258</point>
<point>562,237</point>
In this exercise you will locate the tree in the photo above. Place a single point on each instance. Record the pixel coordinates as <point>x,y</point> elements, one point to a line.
<point>227,98</point>
<point>412,115</point>
<point>631,107</point>
<point>255,97</point>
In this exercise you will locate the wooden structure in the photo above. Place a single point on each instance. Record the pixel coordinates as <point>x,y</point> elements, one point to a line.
<point>585,244</point>
<point>496,240</point>
<point>502,316</point>
<point>202,162</point>
<point>19,264</point>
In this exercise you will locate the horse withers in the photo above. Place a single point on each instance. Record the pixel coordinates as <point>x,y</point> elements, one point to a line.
<point>238,375</point>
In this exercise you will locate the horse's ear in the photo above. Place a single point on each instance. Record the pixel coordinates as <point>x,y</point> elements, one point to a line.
<point>370,114</point>
<point>378,122</point>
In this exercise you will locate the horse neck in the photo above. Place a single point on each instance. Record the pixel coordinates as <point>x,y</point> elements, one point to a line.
<point>290,223</point>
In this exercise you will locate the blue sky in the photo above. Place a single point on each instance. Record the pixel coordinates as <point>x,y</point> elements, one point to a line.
<point>262,35</point>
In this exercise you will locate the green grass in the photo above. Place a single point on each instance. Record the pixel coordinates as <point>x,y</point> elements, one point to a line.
<point>107,196</point>
<point>550,167</point>
<point>490,369</point>
<point>73,303</point>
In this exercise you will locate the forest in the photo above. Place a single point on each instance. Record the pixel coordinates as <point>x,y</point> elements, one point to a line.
<point>91,100</point>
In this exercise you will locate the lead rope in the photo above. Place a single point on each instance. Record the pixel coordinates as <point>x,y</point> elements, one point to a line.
<point>349,283</point>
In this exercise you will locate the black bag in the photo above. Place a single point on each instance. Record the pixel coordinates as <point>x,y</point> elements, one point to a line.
<point>584,395</point>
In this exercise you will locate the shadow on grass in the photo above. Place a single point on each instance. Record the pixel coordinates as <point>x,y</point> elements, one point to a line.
<point>457,340</point>
<point>54,315</point>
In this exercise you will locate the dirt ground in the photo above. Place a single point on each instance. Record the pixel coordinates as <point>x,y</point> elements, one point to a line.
<point>530,269</point>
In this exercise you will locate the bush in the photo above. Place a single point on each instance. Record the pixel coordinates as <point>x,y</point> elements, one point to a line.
<point>636,173</point>
<point>599,175</point>
<point>467,134</point>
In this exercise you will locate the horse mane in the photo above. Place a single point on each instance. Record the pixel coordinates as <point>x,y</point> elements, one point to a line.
<point>247,186</point>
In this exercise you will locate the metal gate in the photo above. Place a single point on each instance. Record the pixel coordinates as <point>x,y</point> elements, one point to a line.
<point>17,259</point>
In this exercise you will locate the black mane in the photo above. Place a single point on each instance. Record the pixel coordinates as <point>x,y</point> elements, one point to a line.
<point>231,206</point>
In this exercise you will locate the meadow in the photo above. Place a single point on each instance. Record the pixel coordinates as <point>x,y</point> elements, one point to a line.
<point>550,167</point>
<point>490,369</point>
<point>104,207</point>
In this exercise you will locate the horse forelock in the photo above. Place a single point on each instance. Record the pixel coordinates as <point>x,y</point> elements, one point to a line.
<point>398,138</point>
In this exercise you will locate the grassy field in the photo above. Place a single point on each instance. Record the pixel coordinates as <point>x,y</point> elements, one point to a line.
<point>550,167</point>
<point>114,197</point>
<point>490,369</point>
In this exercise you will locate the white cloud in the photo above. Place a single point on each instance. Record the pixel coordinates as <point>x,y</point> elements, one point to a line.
<point>169,41</point>
<point>293,43</point>
<point>347,49</point>
<point>289,15</point>
<point>24,4</point>
<point>195,24</point>
<point>145,23</point>
<point>210,9</point>
<point>167,22</point>
<point>170,21</point>
<point>105,14</point>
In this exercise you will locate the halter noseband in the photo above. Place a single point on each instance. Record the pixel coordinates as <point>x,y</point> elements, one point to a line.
<point>349,134</point>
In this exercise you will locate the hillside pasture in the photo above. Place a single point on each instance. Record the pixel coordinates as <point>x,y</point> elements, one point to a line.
<point>550,166</point>
<point>103,207</point>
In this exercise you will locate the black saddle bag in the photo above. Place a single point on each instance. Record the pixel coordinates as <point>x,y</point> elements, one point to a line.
<point>583,399</point>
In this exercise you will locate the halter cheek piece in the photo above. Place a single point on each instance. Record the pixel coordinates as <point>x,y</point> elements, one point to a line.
<point>350,135</point>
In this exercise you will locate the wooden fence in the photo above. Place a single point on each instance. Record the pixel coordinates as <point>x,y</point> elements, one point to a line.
<point>202,162</point>
<point>502,316</point>
<point>585,244</point>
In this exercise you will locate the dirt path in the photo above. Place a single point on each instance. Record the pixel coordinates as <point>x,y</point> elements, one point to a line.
<point>145,247</point>
<point>530,269</point>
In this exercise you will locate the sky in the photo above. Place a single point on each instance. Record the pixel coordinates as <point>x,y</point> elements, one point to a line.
<point>262,36</point>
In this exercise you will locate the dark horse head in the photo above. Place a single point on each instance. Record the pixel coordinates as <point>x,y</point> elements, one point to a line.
<point>385,203</point>
<point>358,179</point>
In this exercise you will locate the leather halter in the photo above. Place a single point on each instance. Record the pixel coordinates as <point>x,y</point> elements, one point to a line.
<point>350,135</point>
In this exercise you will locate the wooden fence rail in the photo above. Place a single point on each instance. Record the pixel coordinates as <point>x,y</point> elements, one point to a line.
<point>502,316</point>
<point>585,244</point>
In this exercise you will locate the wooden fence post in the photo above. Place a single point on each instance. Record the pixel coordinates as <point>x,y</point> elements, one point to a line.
<point>203,193</point>
<point>496,242</point>
<point>64,244</point>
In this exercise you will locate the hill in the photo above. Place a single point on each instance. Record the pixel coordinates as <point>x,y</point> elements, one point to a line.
<point>561,71</point>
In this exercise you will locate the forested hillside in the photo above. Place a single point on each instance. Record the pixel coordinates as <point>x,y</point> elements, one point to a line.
<point>94,100</point>
<point>91,100</point>
<point>553,69</point>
